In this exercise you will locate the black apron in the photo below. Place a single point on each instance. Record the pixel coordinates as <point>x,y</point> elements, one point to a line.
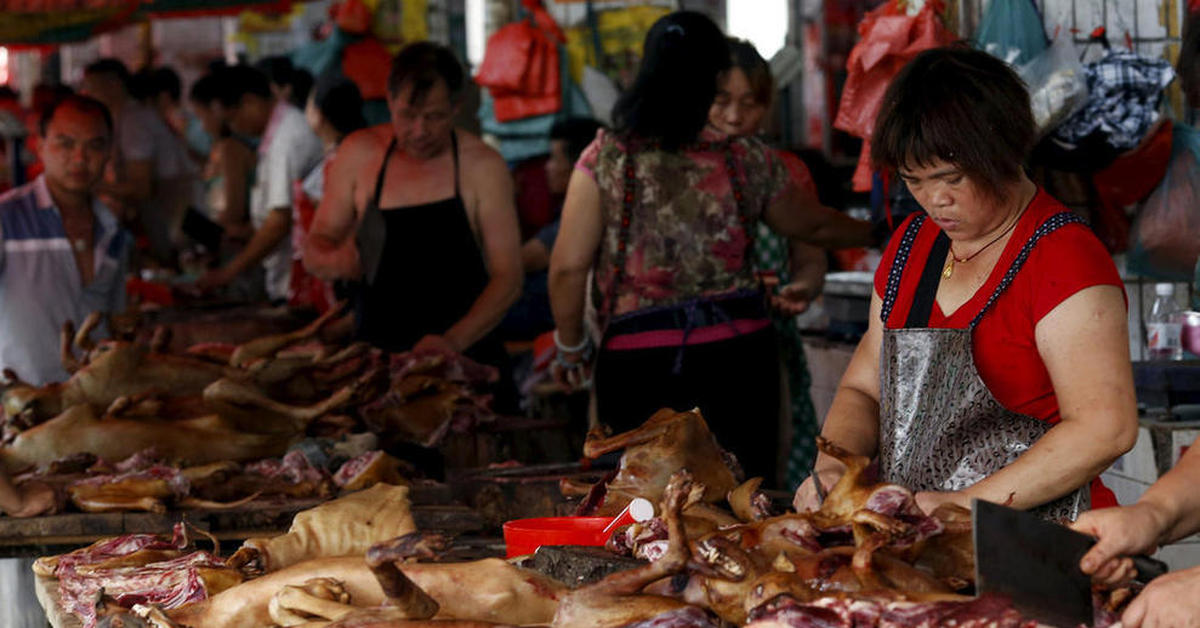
<point>423,271</point>
<point>940,427</point>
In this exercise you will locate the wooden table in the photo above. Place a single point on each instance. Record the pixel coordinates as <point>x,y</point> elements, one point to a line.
<point>54,534</point>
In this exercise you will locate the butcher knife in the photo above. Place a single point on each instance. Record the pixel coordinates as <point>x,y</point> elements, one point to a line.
<point>1035,563</point>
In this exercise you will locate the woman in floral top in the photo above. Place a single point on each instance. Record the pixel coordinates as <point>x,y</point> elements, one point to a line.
<point>663,210</point>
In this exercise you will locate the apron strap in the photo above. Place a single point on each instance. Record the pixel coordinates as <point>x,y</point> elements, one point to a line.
<point>383,171</point>
<point>1052,224</point>
<point>892,289</point>
<point>931,276</point>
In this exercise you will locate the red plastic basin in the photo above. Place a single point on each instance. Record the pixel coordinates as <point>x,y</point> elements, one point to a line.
<point>524,536</point>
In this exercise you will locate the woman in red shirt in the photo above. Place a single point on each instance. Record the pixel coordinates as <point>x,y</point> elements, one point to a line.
<point>996,365</point>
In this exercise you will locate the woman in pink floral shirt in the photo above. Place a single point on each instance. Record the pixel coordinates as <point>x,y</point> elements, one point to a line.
<point>662,210</point>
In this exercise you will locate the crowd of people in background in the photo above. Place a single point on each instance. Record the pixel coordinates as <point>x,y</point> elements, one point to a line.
<point>262,183</point>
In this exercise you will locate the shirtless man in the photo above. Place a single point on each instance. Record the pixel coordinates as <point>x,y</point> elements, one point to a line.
<point>441,202</point>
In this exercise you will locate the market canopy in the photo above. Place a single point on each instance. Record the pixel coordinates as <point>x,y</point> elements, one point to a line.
<point>42,22</point>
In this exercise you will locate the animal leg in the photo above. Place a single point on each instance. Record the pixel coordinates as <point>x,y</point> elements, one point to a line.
<point>69,362</point>
<point>402,592</point>
<point>679,494</point>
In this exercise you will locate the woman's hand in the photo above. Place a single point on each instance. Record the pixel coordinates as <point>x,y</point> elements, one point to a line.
<point>806,497</point>
<point>928,501</point>
<point>1120,532</point>
<point>572,370</point>
<point>794,298</point>
<point>1170,601</point>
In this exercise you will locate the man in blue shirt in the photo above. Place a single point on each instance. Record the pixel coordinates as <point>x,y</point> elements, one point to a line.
<point>63,255</point>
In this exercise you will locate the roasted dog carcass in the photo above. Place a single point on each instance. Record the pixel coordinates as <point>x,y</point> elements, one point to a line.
<point>346,526</point>
<point>667,442</point>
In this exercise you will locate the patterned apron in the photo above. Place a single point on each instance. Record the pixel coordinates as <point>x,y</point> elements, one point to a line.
<point>940,427</point>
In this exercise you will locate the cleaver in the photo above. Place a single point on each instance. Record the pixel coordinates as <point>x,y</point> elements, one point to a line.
<point>1035,563</point>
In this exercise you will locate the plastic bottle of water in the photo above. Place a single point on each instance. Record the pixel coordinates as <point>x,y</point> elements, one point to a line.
<point>1164,326</point>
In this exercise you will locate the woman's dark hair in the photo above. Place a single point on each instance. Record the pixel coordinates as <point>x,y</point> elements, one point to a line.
<point>340,103</point>
<point>684,53</point>
<point>423,63</point>
<point>758,72</point>
<point>960,106</point>
<point>282,72</point>
<point>1189,59</point>
<point>205,90</point>
<point>577,133</point>
<point>237,81</point>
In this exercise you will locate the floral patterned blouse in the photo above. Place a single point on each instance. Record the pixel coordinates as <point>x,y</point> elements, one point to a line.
<point>686,238</point>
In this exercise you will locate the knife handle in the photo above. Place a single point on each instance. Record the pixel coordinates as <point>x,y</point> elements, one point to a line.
<point>1148,568</point>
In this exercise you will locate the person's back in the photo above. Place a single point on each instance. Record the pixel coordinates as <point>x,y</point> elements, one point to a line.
<point>289,151</point>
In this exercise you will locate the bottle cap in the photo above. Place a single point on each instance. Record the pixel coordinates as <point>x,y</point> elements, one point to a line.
<point>1164,289</point>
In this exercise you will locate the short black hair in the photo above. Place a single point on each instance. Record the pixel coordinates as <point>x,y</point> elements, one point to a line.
<point>237,81</point>
<point>684,53</point>
<point>960,106</point>
<point>282,72</point>
<point>110,66</point>
<point>302,85</point>
<point>86,104</point>
<point>577,133</point>
<point>423,64</point>
<point>205,90</point>
<point>340,102</point>
<point>277,68</point>
<point>164,80</point>
<point>745,57</point>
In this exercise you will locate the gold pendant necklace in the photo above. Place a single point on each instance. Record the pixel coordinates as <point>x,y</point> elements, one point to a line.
<point>949,269</point>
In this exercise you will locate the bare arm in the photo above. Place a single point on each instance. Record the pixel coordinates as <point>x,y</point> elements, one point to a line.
<point>235,164</point>
<point>276,228</point>
<point>853,419</point>
<point>572,257</point>
<point>808,266</point>
<point>1084,344</point>
<point>797,214</point>
<point>330,251</point>
<point>497,226</point>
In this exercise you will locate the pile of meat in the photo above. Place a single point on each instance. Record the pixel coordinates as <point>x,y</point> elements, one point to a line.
<point>867,557</point>
<point>147,482</point>
<point>222,405</point>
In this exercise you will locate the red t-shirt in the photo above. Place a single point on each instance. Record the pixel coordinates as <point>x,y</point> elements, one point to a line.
<point>1062,263</point>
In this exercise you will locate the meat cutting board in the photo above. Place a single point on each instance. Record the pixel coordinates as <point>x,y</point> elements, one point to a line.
<point>47,595</point>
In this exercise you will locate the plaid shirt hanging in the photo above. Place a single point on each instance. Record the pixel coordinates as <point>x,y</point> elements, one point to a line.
<point>1125,90</point>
